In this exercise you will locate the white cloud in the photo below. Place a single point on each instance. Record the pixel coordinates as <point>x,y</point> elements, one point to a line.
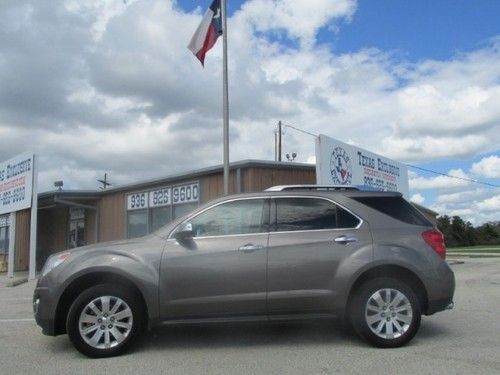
<point>490,204</point>
<point>417,198</point>
<point>107,86</point>
<point>298,18</point>
<point>477,205</point>
<point>487,167</point>
<point>427,147</point>
<point>465,195</point>
<point>440,182</point>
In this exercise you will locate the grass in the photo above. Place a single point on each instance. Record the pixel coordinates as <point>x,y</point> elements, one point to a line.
<point>485,251</point>
<point>475,251</point>
<point>469,255</point>
<point>479,249</point>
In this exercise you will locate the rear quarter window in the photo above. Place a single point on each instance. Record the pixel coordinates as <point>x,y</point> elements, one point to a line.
<point>397,208</point>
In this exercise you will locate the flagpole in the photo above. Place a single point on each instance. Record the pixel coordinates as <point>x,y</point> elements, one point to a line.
<point>225,98</point>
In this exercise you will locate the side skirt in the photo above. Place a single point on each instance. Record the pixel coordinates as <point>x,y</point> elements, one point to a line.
<point>249,319</point>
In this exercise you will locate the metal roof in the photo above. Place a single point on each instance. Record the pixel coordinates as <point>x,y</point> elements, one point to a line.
<point>210,170</point>
<point>249,163</point>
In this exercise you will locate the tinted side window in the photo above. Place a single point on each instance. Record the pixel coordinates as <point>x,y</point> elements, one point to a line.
<point>397,208</point>
<point>346,219</point>
<point>304,214</point>
<point>237,217</point>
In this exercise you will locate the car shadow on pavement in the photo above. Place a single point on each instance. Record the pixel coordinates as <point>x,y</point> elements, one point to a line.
<point>247,335</point>
<point>431,330</point>
<point>244,335</point>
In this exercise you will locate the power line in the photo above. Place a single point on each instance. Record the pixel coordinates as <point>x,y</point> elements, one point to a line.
<point>300,130</point>
<point>456,177</point>
<point>413,166</point>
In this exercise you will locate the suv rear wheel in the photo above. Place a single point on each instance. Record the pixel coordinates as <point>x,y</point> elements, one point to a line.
<point>104,320</point>
<point>386,312</point>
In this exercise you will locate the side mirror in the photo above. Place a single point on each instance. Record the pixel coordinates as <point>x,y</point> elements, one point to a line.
<point>184,232</point>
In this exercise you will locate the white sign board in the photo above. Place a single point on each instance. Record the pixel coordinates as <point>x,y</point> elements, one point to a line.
<point>16,183</point>
<point>338,163</point>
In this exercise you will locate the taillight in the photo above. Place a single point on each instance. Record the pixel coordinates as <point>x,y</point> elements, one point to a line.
<point>435,239</point>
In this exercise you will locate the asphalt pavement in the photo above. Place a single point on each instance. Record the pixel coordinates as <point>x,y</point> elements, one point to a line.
<point>465,340</point>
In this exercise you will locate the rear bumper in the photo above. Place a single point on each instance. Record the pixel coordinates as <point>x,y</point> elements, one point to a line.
<point>439,305</point>
<point>441,290</point>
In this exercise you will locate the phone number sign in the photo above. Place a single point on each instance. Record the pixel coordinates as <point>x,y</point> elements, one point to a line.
<point>16,183</point>
<point>165,196</point>
<point>338,163</point>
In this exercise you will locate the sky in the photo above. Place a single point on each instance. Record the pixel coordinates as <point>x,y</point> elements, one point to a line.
<point>108,86</point>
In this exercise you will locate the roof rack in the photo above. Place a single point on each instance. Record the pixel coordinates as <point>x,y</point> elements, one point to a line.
<point>311,187</point>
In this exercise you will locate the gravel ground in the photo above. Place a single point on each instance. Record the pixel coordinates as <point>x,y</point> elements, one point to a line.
<point>462,341</point>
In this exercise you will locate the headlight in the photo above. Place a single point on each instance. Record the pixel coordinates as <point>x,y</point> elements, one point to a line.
<point>54,261</point>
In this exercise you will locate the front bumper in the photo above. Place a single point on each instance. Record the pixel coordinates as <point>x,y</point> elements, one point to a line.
<point>43,311</point>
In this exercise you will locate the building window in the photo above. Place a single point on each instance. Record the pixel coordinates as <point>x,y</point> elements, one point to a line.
<point>4,240</point>
<point>183,209</point>
<point>150,210</point>
<point>76,235</point>
<point>137,223</point>
<point>4,234</point>
<point>160,216</point>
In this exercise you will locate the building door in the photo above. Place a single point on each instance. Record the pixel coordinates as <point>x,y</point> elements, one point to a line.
<point>76,235</point>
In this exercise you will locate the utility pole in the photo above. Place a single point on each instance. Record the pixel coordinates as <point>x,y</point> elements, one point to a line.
<point>279,140</point>
<point>225,98</point>
<point>275,145</point>
<point>104,182</point>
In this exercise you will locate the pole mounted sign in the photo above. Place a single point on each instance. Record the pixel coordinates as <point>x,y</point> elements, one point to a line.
<point>16,183</point>
<point>338,163</point>
<point>18,179</point>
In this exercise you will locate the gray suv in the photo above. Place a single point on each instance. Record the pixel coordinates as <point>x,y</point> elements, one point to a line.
<point>290,253</point>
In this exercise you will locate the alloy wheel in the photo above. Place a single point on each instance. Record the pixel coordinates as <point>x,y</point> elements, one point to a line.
<point>105,322</point>
<point>388,313</point>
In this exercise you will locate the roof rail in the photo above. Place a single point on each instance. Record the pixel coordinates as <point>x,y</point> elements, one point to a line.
<point>311,187</point>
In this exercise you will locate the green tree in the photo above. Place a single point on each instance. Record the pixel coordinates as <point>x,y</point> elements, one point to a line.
<point>489,234</point>
<point>458,232</point>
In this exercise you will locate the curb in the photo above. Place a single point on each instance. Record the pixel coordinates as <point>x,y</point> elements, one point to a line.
<point>16,282</point>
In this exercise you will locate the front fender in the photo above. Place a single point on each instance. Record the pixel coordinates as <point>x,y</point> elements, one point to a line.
<point>144,275</point>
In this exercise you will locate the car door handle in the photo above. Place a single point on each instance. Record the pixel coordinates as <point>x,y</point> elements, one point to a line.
<point>250,247</point>
<point>344,240</point>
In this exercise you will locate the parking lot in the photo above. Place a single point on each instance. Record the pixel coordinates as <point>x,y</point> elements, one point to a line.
<point>462,341</point>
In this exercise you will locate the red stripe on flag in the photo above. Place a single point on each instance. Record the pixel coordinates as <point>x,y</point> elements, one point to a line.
<point>210,40</point>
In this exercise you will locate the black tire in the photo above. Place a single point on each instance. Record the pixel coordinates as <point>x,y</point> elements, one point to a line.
<point>361,313</point>
<point>129,335</point>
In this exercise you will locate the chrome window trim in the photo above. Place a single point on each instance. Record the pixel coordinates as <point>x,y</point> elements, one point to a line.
<point>361,221</point>
<point>229,235</point>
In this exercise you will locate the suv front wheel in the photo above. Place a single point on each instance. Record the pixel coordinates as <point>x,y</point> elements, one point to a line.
<point>104,320</point>
<point>386,312</point>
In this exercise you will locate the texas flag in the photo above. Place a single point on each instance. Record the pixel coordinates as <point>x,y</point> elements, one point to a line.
<point>207,33</point>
